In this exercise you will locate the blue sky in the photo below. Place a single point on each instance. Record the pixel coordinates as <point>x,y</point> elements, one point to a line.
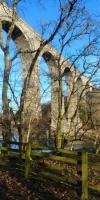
<point>36,13</point>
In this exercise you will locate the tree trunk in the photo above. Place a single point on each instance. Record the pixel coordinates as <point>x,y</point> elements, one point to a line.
<point>59,121</point>
<point>5,102</point>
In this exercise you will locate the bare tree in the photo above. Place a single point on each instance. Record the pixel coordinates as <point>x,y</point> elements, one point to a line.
<point>73,26</point>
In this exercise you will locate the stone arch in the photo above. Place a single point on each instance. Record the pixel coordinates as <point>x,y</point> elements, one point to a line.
<point>50,59</point>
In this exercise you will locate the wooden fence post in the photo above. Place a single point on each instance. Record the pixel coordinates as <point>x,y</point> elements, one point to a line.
<point>84,176</point>
<point>79,172</point>
<point>27,160</point>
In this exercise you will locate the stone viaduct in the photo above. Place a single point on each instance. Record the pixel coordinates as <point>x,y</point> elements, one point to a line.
<point>27,39</point>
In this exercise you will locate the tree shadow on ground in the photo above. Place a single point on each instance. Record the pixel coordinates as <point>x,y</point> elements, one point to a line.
<point>37,186</point>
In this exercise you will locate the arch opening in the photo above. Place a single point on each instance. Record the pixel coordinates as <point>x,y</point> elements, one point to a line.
<point>66,86</point>
<point>45,95</point>
<point>16,31</point>
<point>14,83</point>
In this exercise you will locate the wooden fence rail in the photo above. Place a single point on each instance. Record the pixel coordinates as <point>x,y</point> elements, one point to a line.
<point>82,161</point>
